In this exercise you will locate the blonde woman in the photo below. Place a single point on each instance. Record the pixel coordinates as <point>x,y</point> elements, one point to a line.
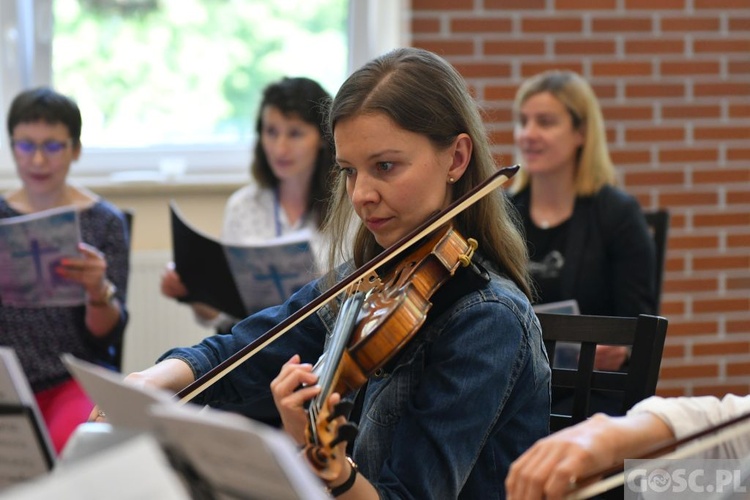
<point>587,239</point>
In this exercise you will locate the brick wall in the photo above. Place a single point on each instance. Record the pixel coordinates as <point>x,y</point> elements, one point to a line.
<point>673,78</point>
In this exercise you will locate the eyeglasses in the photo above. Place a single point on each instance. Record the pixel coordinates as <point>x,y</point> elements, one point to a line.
<point>48,149</point>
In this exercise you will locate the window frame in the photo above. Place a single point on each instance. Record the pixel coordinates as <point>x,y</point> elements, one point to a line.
<point>375,26</point>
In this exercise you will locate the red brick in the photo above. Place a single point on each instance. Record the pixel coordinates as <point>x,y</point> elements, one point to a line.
<point>585,4</point>
<point>738,240</point>
<point>654,4</point>
<point>690,285</point>
<point>682,329</point>
<point>688,155</point>
<point>629,156</point>
<point>735,154</point>
<point>514,4</point>
<point>738,369</point>
<point>672,308</point>
<point>531,69</point>
<point>497,114</point>
<point>739,67</point>
<point>483,70</point>
<point>673,68</point>
<point>448,47</point>
<point>651,46</point>
<point>723,46</point>
<point>737,197</point>
<point>720,4</point>
<point>622,25</point>
<point>625,112</point>
<point>739,110</point>
<point>721,390</point>
<point>690,199</point>
<point>673,351</point>
<point>720,133</point>
<point>691,242</point>
<point>621,68</point>
<point>500,92</point>
<point>722,219</point>
<point>738,326</point>
<point>604,90</point>
<point>691,111</point>
<point>691,371</point>
<point>514,47</point>
<point>690,24</point>
<point>654,178</point>
<point>585,47</point>
<point>714,348</point>
<point>654,134</point>
<point>741,24</point>
<point>481,25</point>
<point>721,89</point>
<point>721,176</point>
<point>738,283</point>
<point>501,137</point>
<point>721,305</point>
<point>654,90</point>
<point>444,4</point>
<point>672,392</point>
<point>424,26</point>
<point>545,25</point>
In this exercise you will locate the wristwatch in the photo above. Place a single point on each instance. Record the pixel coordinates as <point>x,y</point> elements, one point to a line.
<point>109,294</point>
<point>346,485</point>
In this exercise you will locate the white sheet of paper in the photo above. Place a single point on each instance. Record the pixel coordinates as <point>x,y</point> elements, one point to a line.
<point>236,455</point>
<point>125,405</point>
<point>134,470</point>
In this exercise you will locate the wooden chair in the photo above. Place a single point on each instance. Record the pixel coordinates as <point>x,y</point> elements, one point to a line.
<point>658,223</point>
<point>644,334</point>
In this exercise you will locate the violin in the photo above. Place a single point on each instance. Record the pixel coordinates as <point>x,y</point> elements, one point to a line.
<point>364,277</point>
<point>371,328</point>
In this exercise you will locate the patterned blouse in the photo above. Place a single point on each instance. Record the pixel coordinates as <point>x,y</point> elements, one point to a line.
<point>40,335</point>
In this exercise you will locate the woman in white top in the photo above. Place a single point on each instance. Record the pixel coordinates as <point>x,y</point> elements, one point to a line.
<point>546,469</point>
<point>289,191</point>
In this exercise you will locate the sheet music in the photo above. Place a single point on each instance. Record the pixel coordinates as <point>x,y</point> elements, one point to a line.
<point>135,470</point>
<point>25,447</point>
<point>238,458</point>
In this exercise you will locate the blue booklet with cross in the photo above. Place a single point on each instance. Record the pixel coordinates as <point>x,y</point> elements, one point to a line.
<point>31,247</point>
<point>240,279</point>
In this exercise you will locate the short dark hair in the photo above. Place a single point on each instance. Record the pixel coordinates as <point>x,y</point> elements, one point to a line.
<point>47,105</point>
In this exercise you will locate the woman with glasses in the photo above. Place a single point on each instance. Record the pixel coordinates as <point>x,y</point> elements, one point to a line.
<point>45,134</point>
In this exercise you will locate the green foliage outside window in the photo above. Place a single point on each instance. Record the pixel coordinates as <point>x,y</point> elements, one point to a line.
<point>188,71</point>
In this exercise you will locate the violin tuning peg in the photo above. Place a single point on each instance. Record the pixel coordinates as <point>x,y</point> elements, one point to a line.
<point>346,432</point>
<point>343,409</point>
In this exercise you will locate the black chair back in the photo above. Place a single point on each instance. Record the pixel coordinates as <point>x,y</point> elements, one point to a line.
<point>644,334</point>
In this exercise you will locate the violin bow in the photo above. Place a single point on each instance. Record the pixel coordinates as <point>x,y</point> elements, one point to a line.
<point>500,177</point>
<point>615,476</point>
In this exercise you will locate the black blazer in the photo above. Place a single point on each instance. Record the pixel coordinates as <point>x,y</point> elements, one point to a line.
<point>610,255</point>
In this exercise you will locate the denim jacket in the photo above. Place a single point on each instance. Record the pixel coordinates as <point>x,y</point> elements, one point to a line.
<point>444,419</point>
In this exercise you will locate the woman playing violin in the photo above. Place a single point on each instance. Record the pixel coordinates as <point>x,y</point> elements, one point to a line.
<point>546,470</point>
<point>446,416</point>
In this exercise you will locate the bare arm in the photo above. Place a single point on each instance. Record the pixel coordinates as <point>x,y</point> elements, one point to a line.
<point>547,468</point>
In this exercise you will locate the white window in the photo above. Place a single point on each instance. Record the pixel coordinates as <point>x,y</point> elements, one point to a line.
<point>168,89</point>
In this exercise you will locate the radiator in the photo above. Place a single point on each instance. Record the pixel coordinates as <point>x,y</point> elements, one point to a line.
<point>156,323</point>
